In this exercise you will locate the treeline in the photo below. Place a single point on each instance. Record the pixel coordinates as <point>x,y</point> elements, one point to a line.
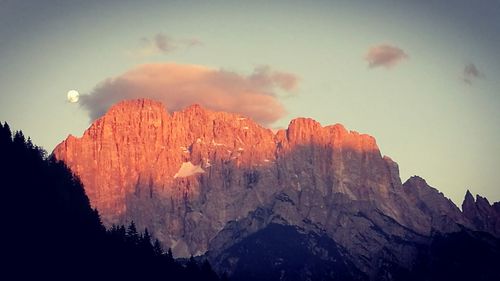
<point>130,245</point>
<point>49,230</point>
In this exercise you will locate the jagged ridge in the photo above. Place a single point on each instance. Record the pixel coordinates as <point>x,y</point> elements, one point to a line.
<point>187,175</point>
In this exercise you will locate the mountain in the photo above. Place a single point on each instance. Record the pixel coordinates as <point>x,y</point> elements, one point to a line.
<point>483,216</point>
<point>215,183</point>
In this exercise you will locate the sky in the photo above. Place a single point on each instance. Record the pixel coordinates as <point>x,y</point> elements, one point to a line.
<point>422,77</point>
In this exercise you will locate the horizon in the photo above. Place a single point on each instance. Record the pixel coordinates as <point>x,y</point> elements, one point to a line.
<point>421,78</point>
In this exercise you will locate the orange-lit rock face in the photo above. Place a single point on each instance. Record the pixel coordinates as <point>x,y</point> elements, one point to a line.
<point>185,175</point>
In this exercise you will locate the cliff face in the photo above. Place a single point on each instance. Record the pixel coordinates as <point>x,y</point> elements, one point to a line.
<point>180,175</point>
<point>196,179</point>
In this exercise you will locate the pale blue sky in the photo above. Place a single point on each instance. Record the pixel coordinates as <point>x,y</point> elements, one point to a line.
<point>421,112</point>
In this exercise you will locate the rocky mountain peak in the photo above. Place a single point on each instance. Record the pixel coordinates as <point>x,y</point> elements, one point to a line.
<point>196,110</point>
<point>481,213</point>
<point>416,182</point>
<point>304,131</point>
<point>188,175</point>
<point>469,198</point>
<point>482,202</point>
<point>136,106</point>
<point>441,214</point>
<point>469,204</point>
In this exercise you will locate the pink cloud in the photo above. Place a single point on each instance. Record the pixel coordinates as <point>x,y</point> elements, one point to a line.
<point>384,55</point>
<point>178,86</point>
<point>264,75</point>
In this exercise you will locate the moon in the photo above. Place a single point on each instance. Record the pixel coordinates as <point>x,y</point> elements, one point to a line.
<point>73,96</point>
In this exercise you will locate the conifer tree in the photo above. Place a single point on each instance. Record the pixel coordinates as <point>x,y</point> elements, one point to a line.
<point>157,249</point>
<point>145,243</point>
<point>132,234</point>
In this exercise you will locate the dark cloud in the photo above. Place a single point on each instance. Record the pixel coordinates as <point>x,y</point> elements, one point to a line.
<point>177,86</point>
<point>164,43</point>
<point>161,43</point>
<point>471,73</point>
<point>384,55</point>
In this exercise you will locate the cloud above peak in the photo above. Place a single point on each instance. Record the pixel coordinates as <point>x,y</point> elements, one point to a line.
<point>384,55</point>
<point>161,43</point>
<point>471,73</point>
<point>179,85</point>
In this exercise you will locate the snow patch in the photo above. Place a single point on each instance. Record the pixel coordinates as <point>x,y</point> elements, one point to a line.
<point>188,169</point>
<point>245,128</point>
<point>217,144</point>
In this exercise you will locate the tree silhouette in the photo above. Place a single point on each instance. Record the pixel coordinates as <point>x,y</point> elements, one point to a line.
<point>157,248</point>
<point>132,234</point>
<point>49,230</point>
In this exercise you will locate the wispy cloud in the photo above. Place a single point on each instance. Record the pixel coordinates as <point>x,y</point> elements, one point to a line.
<point>161,43</point>
<point>471,73</point>
<point>265,76</point>
<point>256,95</point>
<point>384,55</point>
<point>191,42</point>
